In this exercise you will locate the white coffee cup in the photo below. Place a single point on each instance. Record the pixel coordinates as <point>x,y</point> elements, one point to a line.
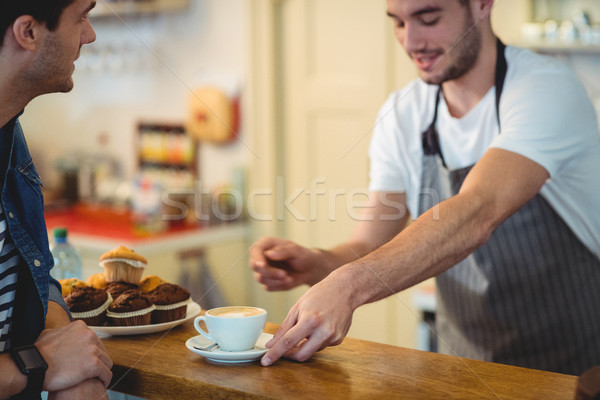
<point>234,328</point>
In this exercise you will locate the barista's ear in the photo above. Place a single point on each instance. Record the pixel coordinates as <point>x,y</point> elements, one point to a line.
<point>26,31</point>
<point>483,8</point>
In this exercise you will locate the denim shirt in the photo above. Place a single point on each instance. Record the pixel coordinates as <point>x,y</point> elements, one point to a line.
<point>23,204</point>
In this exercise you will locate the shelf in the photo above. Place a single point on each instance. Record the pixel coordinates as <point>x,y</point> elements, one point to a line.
<point>132,7</point>
<point>557,47</point>
<point>97,228</point>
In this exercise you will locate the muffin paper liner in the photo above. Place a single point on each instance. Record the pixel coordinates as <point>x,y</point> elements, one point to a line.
<point>172,306</point>
<point>133,263</point>
<point>170,312</point>
<point>131,313</point>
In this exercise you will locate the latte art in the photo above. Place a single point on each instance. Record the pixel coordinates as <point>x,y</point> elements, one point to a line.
<point>235,312</point>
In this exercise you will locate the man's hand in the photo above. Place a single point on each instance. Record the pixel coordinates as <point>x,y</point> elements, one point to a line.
<point>282,265</point>
<point>74,354</point>
<point>91,389</point>
<point>319,319</point>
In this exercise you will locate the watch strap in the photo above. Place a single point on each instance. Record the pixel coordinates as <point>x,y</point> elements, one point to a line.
<point>35,376</point>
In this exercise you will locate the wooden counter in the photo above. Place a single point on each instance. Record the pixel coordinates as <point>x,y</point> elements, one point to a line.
<point>159,366</point>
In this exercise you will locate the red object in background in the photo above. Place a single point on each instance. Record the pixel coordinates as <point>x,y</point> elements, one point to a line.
<point>101,221</point>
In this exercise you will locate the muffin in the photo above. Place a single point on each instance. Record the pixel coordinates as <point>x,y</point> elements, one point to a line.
<point>97,281</point>
<point>123,264</point>
<point>88,304</point>
<point>131,308</point>
<point>68,284</point>
<point>150,282</point>
<point>170,301</point>
<point>116,288</point>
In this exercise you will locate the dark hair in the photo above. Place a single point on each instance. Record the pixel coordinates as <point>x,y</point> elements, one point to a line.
<point>44,11</point>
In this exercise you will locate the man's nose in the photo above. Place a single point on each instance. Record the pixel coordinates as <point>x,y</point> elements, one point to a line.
<point>411,38</point>
<point>89,34</point>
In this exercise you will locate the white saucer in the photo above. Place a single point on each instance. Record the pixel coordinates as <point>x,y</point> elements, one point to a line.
<point>215,354</point>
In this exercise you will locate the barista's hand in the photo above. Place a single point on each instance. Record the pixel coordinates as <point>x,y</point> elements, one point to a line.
<point>91,389</point>
<point>319,319</point>
<point>282,265</point>
<point>74,354</point>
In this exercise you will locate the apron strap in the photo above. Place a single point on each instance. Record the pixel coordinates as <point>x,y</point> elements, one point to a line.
<point>501,69</point>
<point>430,138</point>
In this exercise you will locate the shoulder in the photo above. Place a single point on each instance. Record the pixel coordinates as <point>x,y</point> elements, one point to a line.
<point>541,73</point>
<point>539,85</point>
<point>546,114</point>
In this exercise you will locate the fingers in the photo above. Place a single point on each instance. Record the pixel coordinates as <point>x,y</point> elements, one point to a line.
<point>105,376</point>
<point>98,365</point>
<point>268,261</point>
<point>269,251</point>
<point>276,346</point>
<point>260,247</point>
<point>273,279</point>
<point>74,353</point>
<point>297,339</point>
<point>89,389</point>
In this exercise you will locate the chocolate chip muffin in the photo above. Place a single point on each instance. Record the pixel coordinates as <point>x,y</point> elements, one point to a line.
<point>131,308</point>
<point>116,288</point>
<point>88,304</point>
<point>123,264</point>
<point>170,301</point>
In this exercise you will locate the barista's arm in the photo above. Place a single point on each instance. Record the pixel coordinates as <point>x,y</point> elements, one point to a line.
<point>496,187</point>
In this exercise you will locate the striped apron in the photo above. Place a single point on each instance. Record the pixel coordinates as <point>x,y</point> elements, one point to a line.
<point>530,296</point>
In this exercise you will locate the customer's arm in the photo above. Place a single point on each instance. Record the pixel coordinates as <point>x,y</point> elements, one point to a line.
<point>90,388</point>
<point>14,381</point>
<point>56,316</point>
<point>74,354</point>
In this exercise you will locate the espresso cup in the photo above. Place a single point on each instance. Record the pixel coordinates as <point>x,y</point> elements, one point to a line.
<point>234,328</point>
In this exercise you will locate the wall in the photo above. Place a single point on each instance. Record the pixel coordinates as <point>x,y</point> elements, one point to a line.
<point>142,68</point>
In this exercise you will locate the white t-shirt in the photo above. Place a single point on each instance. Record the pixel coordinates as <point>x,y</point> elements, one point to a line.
<point>545,115</point>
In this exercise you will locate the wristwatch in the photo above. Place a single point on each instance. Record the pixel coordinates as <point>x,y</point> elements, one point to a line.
<point>32,364</point>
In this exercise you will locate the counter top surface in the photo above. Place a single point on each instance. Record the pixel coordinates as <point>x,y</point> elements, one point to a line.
<point>159,366</point>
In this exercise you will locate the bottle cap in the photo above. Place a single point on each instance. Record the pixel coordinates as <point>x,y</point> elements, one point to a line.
<point>60,232</point>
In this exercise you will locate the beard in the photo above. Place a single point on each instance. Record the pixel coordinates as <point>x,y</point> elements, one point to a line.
<point>52,70</point>
<point>462,55</point>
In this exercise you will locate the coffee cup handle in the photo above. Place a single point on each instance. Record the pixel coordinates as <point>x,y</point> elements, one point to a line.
<point>202,331</point>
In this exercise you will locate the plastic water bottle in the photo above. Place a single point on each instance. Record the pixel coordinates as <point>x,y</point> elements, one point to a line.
<point>67,261</point>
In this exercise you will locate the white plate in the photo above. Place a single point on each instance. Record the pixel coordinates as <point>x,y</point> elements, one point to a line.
<point>193,309</point>
<point>217,355</point>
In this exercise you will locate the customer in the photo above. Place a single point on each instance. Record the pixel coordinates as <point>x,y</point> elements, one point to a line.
<point>500,168</point>
<point>41,40</point>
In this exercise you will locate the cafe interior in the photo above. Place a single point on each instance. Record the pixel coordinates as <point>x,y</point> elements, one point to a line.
<point>196,127</point>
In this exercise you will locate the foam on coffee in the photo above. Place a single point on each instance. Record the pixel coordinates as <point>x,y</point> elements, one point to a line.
<point>235,312</point>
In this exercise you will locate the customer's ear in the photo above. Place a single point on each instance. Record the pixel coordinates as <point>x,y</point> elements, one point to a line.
<point>26,31</point>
